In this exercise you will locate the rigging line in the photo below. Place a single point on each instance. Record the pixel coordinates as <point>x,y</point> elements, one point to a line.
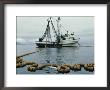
<point>64,28</point>
<point>53,27</point>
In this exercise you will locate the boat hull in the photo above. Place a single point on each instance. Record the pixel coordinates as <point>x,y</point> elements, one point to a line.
<point>43,45</point>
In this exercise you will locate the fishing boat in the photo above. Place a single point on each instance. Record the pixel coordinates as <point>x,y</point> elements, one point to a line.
<point>61,40</point>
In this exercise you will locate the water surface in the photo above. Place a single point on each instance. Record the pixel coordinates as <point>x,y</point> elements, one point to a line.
<point>64,55</point>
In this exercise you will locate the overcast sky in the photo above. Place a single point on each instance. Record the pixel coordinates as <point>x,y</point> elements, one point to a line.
<point>35,26</point>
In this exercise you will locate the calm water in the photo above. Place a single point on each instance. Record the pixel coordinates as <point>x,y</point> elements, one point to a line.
<point>65,55</point>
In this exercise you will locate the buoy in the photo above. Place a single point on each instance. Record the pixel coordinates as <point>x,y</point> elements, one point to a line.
<point>63,69</point>
<point>30,63</point>
<point>18,59</point>
<point>34,65</point>
<point>82,65</point>
<point>89,67</point>
<point>18,65</point>
<point>31,69</point>
<point>40,67</point>
<point>67,65</point>
<point>54,65</point>
<point>76,67</point>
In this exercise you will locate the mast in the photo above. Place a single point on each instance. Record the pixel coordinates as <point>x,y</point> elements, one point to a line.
<point>48,36</point>
<point>53,27</point>
<point>58,28</point>
<point>47,33</point>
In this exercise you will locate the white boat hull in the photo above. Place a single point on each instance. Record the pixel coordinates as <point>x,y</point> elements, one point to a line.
<point>52,44</point>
